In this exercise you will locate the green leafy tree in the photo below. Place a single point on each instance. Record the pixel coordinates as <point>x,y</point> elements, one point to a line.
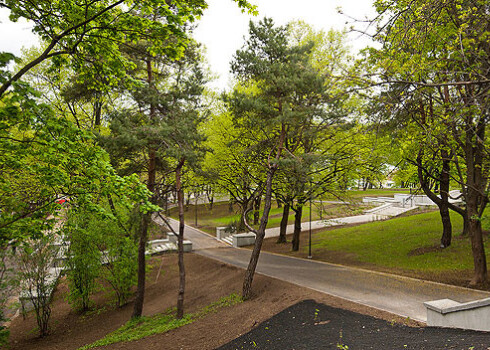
<point>436,52</point>
<point>285,97</point>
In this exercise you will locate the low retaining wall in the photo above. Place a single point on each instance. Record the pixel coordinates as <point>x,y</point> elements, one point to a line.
<point>243,239</point>
<point>451,314</point>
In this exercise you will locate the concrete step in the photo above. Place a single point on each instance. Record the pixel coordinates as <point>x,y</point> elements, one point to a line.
<point>228,240</point>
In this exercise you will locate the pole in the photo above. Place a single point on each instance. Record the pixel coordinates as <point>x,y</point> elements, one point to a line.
<point>195,209</point>
<point>309,243</point>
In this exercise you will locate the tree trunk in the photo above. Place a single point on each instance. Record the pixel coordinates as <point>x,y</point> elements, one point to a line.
<point>477,247</point>
<point>443,201</point>
<point>259,238</point>
<point>230,206</point>
<point>298,213</point>
<point>241,225</point>
<point>257,210</point>
<point>476,199</point>
<point>180,241</point>
<point>187,201</point>
<point>140,291</point>
<point>466,225</point>
<point>284,224</point>
<point>279,203</point>
<point>444,180</point>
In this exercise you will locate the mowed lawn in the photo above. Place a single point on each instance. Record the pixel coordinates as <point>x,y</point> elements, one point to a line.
<point>409,243</point>
<point>208,220</point>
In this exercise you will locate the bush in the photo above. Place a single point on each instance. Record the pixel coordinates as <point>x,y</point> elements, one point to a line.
<point>39,280</point>
<point>84,259</point>
<point>121,270</point>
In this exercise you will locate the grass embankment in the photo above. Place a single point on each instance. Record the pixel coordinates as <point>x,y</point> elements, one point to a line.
<point>160,323</point>
<point>408,245</point>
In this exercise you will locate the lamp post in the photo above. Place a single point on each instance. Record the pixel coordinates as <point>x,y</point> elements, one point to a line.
<point>309,243</point>
<point>195,208</point>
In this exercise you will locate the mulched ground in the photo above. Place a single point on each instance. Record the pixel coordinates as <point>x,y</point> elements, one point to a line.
<point>311,325</point>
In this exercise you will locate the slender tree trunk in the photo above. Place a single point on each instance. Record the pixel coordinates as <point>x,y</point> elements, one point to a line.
<point>284,224</point>
<point>260,233</point>
<point>298,213</point>
<point>257,210</point>
<point>140,291</point>
<point>444,206</point>
<point>187,201</point>
<point>279,203</point>
<point>477,247</point>
<point>243,210</point>
<point>466,225</point>
<point>180,241</point>
<point>230,206</point>
<point>259,238</point>
<point>476,200</point>
<point>443,201</point>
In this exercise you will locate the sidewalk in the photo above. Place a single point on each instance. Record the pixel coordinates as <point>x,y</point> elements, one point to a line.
<point>399,295</point>
<point>305,226</point>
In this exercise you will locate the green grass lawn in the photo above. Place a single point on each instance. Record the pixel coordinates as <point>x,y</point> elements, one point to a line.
<point>408,243</point>
<point>358,194</point>
<point>208,220</point>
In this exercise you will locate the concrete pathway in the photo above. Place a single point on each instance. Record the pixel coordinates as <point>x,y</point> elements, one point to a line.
<point>399,295</point>
<point>305,226</point>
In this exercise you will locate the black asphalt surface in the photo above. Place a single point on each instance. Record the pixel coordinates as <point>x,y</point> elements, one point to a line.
<point>310,325</point>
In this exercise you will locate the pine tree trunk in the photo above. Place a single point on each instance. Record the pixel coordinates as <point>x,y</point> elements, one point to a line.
<point>140,291</point>
<point>298,213</point>
<point>254,258</point>
<point>180,241</point>
<point>284,224</point>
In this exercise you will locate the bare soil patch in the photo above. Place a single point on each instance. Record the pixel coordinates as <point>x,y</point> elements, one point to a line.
<point>207,281</point>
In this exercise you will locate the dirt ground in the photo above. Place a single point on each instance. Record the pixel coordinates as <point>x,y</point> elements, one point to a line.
<point>207,281</point>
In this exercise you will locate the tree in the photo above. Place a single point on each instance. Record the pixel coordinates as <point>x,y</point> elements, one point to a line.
<point>157,135</point>
<point>96,30</point>
<point>232,162</point>
<point>275,109</point>
<point>437,51</point>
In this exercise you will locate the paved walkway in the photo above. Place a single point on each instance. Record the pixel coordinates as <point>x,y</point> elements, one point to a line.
<point>398,295</point>
<point>305,226</point>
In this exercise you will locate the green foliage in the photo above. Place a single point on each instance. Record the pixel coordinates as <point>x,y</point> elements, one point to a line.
<point>84,258</point>
<point>38,279</point>
<point>159,323</point>
<point>121,269</point>
<point>8,283</point>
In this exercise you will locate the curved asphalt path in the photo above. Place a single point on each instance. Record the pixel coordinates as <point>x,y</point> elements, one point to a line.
<point>399,295</point>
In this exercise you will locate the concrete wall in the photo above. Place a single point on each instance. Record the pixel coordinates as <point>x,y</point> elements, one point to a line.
<point>451,314</point>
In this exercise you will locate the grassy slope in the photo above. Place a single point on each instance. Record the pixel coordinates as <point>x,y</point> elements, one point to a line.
<point>410,243</point>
